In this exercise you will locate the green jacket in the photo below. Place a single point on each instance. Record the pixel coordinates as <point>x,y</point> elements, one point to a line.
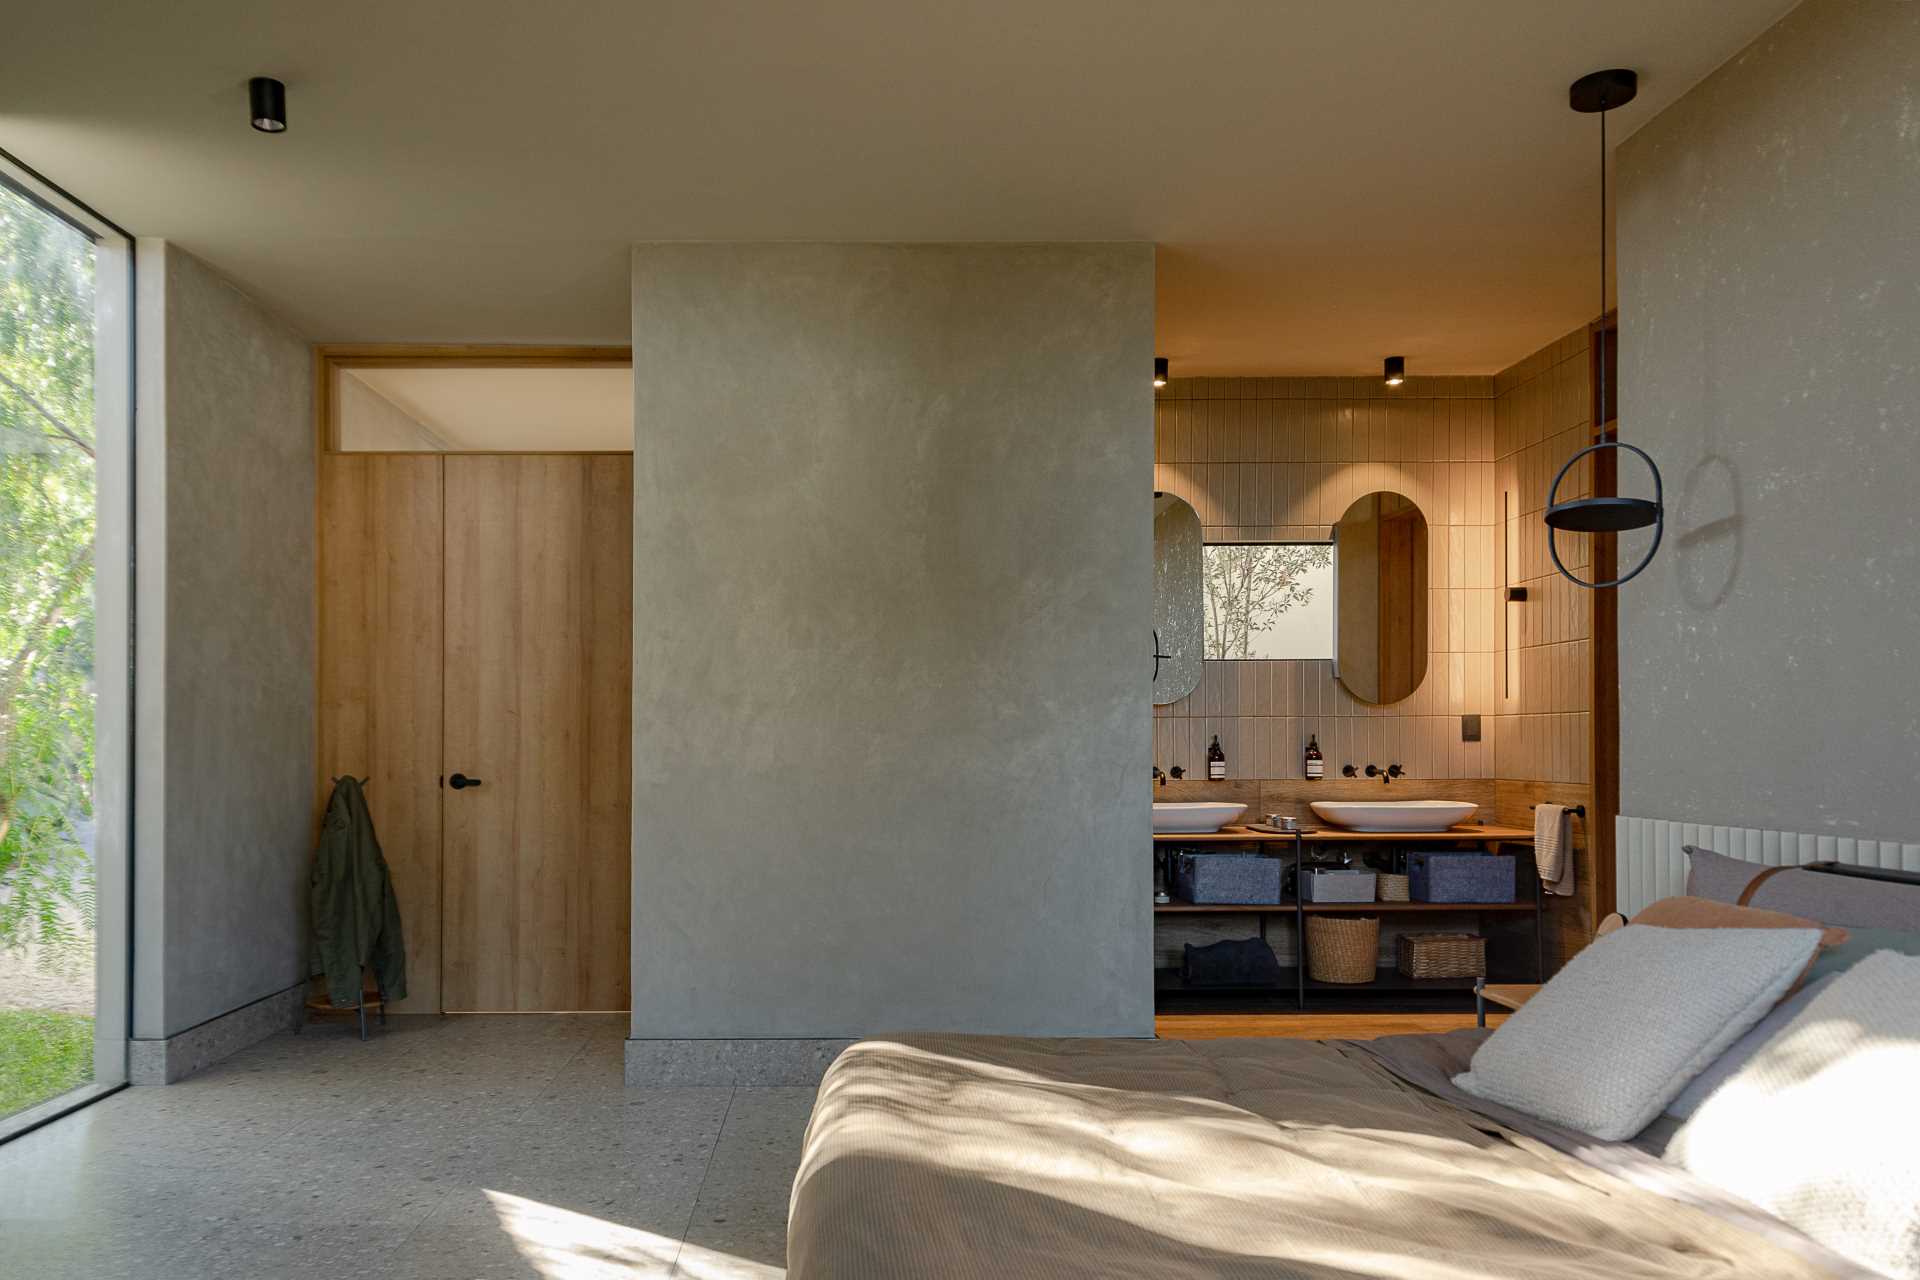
<point>356,919</point>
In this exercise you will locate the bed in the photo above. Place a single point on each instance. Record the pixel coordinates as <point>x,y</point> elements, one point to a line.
<point>1025,1159</point>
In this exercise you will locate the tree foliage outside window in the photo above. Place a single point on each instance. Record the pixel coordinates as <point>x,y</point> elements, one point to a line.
<point>46,584</point>
<point>1251,585</point>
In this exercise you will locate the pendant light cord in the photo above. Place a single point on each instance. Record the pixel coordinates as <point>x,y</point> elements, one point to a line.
<point>1601,330</point>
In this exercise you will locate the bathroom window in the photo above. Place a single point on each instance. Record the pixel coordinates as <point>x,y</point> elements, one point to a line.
<point>1269,600</point>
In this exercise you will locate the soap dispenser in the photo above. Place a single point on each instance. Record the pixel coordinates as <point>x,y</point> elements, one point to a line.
<point>1316,763</point>
<point>1216,762</point>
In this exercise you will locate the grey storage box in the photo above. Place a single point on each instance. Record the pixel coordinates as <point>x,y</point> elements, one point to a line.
<point>1226,879</point>
<point>1336,884</point>
<point>1460,877</point>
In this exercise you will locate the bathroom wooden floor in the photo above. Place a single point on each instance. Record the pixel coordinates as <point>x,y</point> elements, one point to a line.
<point>1310,1026</point>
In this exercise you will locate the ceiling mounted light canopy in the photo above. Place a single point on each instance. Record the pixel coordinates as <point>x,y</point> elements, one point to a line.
<point>1396,370</point>
<point>1596,94</point>
<point>267,100</point>
<point>1159,371</point>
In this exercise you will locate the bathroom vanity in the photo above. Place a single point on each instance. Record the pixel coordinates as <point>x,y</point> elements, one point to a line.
<point>1524,962</point>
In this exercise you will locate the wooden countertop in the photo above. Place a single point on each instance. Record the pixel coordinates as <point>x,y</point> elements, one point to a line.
<point>1335,835</point>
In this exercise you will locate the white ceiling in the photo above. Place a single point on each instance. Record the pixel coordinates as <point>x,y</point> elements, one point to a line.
<point>1328,182</point>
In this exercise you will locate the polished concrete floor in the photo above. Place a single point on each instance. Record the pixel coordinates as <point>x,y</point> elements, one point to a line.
<point>446,1149</point>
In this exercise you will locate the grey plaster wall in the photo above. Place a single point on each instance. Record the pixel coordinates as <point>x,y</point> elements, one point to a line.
<point>1769,231</point>
<point>225,703</point>
<point>892,590</point>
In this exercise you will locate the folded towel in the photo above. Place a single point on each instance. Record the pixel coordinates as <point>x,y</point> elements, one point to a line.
<point>1553,848</point>
<point>1234,963</point>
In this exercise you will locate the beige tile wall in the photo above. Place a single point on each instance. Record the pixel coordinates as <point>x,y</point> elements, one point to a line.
<point>1542,417</point>
<point>1280,459</point>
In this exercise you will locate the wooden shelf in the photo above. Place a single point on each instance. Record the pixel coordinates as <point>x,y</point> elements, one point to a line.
<point>1368,908</point>
<point>1169,982</point>
<point>1334,835</point>
<point>1312,908</point>
<point>1387,979</point>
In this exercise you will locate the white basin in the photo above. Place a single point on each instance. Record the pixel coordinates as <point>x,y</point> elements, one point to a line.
<point>1394,815</point>
<point>1194,818</point>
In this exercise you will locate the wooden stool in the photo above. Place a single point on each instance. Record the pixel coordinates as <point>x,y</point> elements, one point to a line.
<point>370,994</point>
<point>1508,995</point>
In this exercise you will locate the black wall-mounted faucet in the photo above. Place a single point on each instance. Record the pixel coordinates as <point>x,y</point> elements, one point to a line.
<point>1386,775</point>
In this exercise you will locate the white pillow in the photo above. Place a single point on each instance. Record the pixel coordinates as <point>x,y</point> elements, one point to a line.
<point>1607,1044</point>
<point>1820,1127</point>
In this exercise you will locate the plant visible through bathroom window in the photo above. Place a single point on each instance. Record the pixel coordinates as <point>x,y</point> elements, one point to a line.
<point>1269,600</point>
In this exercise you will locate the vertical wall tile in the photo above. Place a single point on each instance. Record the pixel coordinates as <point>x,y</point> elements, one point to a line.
<point>1282,458</point>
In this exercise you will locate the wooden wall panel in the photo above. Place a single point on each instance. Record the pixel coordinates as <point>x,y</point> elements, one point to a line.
<point>482,657</point>
<point>379,677</point>
<point>609,867</point>
<point>530,657</point>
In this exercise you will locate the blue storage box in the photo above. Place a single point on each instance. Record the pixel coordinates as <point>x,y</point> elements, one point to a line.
<point>1460,877</point>
<point>1226,879</point>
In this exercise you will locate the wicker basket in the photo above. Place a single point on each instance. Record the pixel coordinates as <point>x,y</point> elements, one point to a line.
<point>1393,888</point>
<point>1441,955</point>
<point>1342,948</point>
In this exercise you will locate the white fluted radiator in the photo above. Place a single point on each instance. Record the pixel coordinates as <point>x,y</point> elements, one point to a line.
<point>1649,865</point>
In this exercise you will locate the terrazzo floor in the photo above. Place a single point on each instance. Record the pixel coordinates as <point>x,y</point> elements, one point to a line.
<point>444,1149</point>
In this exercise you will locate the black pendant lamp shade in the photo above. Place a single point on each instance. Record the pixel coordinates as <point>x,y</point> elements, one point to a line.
<point>1396,370</point>
<point>1159,371</point>
<point>267,100</point>
<point>1597,94</point>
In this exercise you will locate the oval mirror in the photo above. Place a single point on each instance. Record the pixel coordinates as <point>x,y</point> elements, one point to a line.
<point>1179,606</point>
<point>1380,586</point>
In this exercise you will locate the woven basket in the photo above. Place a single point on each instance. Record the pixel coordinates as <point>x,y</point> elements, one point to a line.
<point>1342,948</point>
<point>1441,955</point>
<point>1393,888</point>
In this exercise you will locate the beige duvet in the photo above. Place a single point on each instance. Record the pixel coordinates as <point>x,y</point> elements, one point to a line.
<point>1017,1159</point>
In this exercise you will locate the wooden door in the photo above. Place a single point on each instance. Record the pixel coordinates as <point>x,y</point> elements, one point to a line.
<point>538,589</point>
<point>379,676</point>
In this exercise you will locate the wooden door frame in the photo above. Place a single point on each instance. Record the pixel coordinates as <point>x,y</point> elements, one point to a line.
<point>330,357</point>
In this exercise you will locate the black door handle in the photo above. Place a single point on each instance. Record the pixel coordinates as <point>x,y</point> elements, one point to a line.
<point>460,782</point>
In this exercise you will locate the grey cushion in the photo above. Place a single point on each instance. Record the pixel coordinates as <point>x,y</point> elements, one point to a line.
<point>1589,1052</point>
<point>1860,944</point>
<point>1745,1047</point>
<point>1848,901</point>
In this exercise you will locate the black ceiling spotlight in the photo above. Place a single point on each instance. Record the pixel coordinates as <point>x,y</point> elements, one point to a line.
<point>267,99</point>
<point>1159,371</point>
<point>1597,94</point>
<point>1396,370</point>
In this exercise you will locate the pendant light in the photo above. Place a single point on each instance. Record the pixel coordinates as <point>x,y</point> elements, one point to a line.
<point>1597,94</point>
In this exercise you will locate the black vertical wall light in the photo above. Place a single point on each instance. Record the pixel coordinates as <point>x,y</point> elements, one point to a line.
<point>1159,371</point>
<point>1396,370</point>
<point>267,104</point>
<point>1597,94</point>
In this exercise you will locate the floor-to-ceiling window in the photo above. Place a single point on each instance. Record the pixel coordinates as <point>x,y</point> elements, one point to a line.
<point>65,507</point>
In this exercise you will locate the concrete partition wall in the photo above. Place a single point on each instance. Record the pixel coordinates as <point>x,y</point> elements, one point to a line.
<point>1769,230</point>
<point>224,715</point>
<point>892,595</point>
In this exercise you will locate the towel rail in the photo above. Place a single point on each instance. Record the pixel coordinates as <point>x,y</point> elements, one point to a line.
<point>1579,809</point>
